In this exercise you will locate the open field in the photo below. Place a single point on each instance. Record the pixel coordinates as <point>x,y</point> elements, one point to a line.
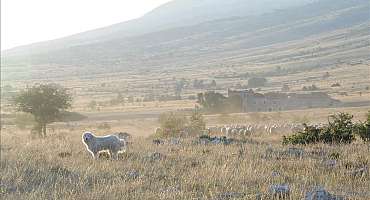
<point>124,83</point>
<point>58,167</point>
<point>37,168</point>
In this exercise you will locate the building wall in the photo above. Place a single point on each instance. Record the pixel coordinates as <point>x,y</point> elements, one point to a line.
<point>256,102</point>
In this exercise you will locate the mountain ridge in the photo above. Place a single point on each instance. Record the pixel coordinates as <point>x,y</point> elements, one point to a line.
<point>165,17</point>
<point>212,39</point>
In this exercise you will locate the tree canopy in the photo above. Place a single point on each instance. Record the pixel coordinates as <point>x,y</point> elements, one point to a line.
<point>45,102</point>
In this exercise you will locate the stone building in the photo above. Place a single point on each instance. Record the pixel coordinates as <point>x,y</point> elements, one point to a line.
<point>276,101</point>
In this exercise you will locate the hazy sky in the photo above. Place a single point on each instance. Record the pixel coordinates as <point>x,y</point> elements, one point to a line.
<point>28,21</point>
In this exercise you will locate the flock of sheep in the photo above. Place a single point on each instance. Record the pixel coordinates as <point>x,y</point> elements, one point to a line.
<point>248,129</point>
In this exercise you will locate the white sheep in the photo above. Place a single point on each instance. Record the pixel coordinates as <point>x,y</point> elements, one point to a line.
<point>111,143</point>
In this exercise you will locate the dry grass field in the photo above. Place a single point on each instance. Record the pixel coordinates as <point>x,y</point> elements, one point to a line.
<point>58,167</point>
<point>124,85</point>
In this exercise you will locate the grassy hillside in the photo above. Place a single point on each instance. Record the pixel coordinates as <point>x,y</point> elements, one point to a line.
<point>222,41</point>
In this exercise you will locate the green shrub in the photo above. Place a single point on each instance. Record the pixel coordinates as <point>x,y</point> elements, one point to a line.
<point>172,124</point>
<point>340,129</point>
<point>309,135</point>
<point>363,129</point>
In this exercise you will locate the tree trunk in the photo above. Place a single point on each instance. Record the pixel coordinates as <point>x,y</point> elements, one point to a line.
<point>38,129</point>
<point>44,129</point>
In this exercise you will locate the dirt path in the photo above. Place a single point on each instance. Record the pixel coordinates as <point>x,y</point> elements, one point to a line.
<point>107,116</point>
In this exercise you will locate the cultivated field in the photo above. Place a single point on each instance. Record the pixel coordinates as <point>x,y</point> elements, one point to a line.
<point>58,167</point>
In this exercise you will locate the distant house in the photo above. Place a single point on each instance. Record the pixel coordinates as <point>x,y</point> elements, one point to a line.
<point>276,101</point>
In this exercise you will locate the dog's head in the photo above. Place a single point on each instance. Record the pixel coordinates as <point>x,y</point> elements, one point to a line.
<point>87,137</point>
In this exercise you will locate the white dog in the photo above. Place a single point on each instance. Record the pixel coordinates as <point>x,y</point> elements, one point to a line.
<point>110,143</point>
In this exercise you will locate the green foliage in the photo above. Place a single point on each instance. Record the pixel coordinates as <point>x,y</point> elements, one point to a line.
<point>212,101</point>
<point>172,123</point>
<point>363,129</point>
<point>309,135</point>
<point>340,129</point>
<point>255,82</point>
<point>196,123</point>
<point>45,102</point>
<point>216,102</point>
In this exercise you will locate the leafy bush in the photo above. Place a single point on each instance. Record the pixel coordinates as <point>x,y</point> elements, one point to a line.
<point>172,123</point>
<point>212,101</point>
<point>309,135</point>
<point>218,103</point>
<point>363,129</point>
<point>340,129</point>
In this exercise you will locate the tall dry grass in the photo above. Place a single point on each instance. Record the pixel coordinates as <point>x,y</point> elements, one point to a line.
<point>58,167</point>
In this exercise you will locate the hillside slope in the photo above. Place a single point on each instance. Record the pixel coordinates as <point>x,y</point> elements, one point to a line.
<point>176,13</point>
<point>207,42</point>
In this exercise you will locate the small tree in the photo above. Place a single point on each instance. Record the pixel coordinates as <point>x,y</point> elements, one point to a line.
<point>339,130</point>
<point>213,84</point>
<point>363,129</point>
<point>212,101</point>
<point>172,123</point>
<point>45,102</point>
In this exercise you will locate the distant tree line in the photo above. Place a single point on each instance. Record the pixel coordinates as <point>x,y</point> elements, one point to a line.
<point>217,103</point>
